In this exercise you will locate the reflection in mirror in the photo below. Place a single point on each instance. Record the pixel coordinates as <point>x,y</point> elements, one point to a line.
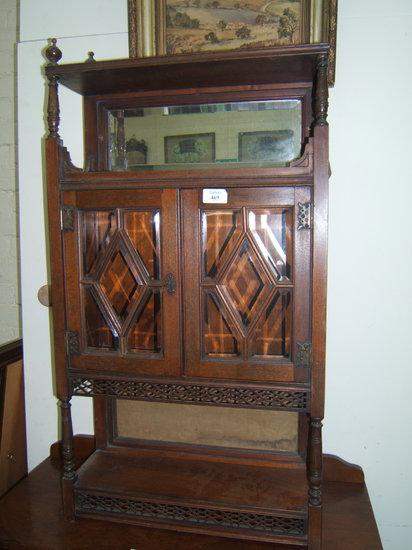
<point>224,135</point>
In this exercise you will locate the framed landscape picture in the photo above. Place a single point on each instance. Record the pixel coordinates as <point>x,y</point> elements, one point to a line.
<point>274,146</point>
<point>172,27</point>
<point>199,25</point>
<point>190,148</point>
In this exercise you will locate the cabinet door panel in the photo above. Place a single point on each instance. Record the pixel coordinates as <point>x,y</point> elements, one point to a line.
<point>247,281</point>
<point>122,250</point>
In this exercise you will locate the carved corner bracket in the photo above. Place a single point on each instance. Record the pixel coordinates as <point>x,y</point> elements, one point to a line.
<point>66,164</point>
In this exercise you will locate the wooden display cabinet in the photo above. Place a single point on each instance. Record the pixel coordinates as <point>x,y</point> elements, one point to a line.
<point>189,290</point>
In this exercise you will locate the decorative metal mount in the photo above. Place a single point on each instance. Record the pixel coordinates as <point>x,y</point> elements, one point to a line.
<point>170,283</point>
<point>303,354</point>
<point>200,394</point>
<point>258,522</point>
<point>72,343</point>
<point>304,215</point>
<point>67,218</point>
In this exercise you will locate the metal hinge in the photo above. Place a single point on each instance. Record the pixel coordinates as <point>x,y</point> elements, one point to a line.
<point>72,343</point>
<point>67,218</point>
<point>303,354</point>
<point>304,215</point>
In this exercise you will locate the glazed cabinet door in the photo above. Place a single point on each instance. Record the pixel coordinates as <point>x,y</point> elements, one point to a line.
<point>122,281</point>
<point>247,284</point>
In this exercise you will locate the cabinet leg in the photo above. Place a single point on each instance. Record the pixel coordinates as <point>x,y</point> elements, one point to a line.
<point>315,484</point>
<point>69,471</point>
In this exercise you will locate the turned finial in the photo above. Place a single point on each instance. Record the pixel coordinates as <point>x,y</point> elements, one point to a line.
<point>90,58</point>
<point>53,53</point>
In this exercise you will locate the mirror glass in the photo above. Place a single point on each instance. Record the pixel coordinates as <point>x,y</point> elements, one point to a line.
<point>224,135</point>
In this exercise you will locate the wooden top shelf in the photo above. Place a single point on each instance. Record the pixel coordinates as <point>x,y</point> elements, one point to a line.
<point>289,64</point>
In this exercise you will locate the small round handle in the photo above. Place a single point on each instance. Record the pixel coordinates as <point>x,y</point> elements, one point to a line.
<point>44,296</point>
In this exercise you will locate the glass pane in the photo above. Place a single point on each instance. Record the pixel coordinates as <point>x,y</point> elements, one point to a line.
<point>246,282</point>
<point>247,133</point>
<point>98,333</point>
<point>119,284</point>
<point>273,335</point>
<point>219,340</point>
<point>200,425</point>
<point>220,232</point>
<point>143,229</point>
<point>272,231</point>
<point>98,228</point>
<point>146,333</point>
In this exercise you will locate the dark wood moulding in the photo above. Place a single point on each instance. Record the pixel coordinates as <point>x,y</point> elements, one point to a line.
<point>272,65</point>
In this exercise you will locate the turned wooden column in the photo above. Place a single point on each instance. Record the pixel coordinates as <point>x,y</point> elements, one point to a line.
<point>315,483</point>
<point>320,219</point>
<point>322,92</point>
<point>315,462</point>
<point>53,55</point>
<point>53,148</point>
<point>69,471</point>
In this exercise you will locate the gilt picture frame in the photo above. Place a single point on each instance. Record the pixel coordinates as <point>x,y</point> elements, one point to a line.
<point>170,27</point>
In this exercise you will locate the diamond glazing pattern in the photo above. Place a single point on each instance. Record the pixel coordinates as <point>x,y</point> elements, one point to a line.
<point>121,253</point>
<point>247,257</point>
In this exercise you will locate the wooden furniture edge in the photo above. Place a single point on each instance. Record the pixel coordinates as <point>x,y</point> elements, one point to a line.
<point>335,469</point>
<point>11,352</point>
<point>83,447</point>
<point>338,469</point>
<point>53,69</point>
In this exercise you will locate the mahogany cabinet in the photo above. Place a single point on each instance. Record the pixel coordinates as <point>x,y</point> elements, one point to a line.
<point>189,289</point>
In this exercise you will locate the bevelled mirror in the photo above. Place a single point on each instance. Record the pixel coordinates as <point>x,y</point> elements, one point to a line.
<point>225,135</point>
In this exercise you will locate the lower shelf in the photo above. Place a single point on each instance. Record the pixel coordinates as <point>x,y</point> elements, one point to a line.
<point>250,502</point>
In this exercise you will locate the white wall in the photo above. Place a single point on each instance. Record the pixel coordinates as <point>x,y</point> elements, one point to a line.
<point>369,313</point>
<point>369,347</point>
<point>40,20</point>
<point>9,266</point>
